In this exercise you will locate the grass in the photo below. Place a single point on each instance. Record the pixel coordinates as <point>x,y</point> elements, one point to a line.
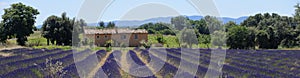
<point>53,47</point>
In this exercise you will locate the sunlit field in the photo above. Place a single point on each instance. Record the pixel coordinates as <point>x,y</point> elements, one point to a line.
<point>25,62</point>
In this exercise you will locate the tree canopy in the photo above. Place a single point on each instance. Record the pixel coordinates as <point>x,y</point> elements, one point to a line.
<point>240,37</point>
<point>18,22</point>
<point>59,30</point>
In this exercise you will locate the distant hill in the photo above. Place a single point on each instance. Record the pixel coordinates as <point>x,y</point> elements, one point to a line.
<point>125,23</point>
<point>135,23</point>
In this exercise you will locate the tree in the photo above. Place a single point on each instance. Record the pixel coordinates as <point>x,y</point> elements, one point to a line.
<point>267,39</point>
<point>240,37</point>
<point>111,25</point>
<point>66,29</point>
<point>253,21</point>
<point>229,25</point>
<point>188,36</point>
<point>262,39</point>
<point>77,29</point>
<point>204,39</point>
<point>297,13</point>
<point>50,28</point>
<point>218,38</point>
<point>213,24</point>
<point>58,29</point>
<point>162,28</point>
<point>160,39</point>
<point>180,22</point>
<point>274,28</point>
<point>290,40</point>
<point>200,26</point>
<point>101,25</point>
<point>3,36</point>
<point>18,22</point>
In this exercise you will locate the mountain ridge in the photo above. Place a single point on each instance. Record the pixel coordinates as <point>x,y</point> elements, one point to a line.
<point>135,23</point>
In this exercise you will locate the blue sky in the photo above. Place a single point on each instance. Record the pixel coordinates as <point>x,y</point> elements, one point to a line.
<point>226,8</point>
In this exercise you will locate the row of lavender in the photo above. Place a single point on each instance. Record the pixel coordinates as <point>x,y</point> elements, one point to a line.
<point>240,63</point>
<point>112,67</point>
<point>30,66</point>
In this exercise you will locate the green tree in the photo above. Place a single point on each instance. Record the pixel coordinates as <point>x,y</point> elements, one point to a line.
<point>50,28</point>
<point>296,23</point>
<point>180,22</point>
<point>200,26</point>
<point>58,29</point>
<point>267,39</point>
<point>162,28</point>
<point>77,29</point>
<point>204,39</point>
<point>111,25</point>
<point>160,38</point>
<point>218,38</point>
<point>213,24</point>
<point>188,36</point>
<point>18,22</point>
<point>271,26</point>
<point>101,25</point>
<point>66,30</point>
<point>240,37</point>
<point>229,25</point>
<point>252,21</point>
<point>262,39</point>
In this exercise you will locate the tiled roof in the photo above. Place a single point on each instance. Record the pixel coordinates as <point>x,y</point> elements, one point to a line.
<point>113,31</point>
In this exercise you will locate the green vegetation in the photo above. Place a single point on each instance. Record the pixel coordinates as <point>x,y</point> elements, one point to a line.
<point>58,29</point>
<point>158,28</point>
<point>18,22</point>
<point>109,25</point>
<point>239,37</point>
<point>36,39</point>
<point>53,47</point>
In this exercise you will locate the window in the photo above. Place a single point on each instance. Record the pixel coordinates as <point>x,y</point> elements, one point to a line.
<point>97,37</point>
<point>123,37</point>
<point>136,36</point>
<point>105,36</point>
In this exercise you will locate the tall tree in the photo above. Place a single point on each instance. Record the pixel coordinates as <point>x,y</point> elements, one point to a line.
<point>101,25</point>
<point>50,28</point>
<point>200,26</point>
<point>3,36</point>
<point>58,29</point>
<point>18,22</point>
<point>229,25</point>
<point>111,25</point>
<point>213,24</point>
<point>218,38</point>
<point>180,22</point>
<point>188,36</point>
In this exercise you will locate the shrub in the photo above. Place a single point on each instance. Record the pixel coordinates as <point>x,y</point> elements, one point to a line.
<point>108,45</point>
<point>146,44</point>
<point>53,70</point>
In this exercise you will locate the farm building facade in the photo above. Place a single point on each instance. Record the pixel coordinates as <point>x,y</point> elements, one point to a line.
<point>124,37</point>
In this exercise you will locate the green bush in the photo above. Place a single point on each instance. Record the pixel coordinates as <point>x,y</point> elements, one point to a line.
<point>146,44</point>
<point>108,45</point>
<point>53,47</point>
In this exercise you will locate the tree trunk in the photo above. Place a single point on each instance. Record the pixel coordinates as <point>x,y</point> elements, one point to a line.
<point>48,42</point>
<point>207,46</point>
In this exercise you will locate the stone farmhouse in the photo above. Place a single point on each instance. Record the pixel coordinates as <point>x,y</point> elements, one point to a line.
<point>124,37</point>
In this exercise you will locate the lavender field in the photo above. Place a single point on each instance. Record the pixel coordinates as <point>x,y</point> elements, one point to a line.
<point>238,63</point>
